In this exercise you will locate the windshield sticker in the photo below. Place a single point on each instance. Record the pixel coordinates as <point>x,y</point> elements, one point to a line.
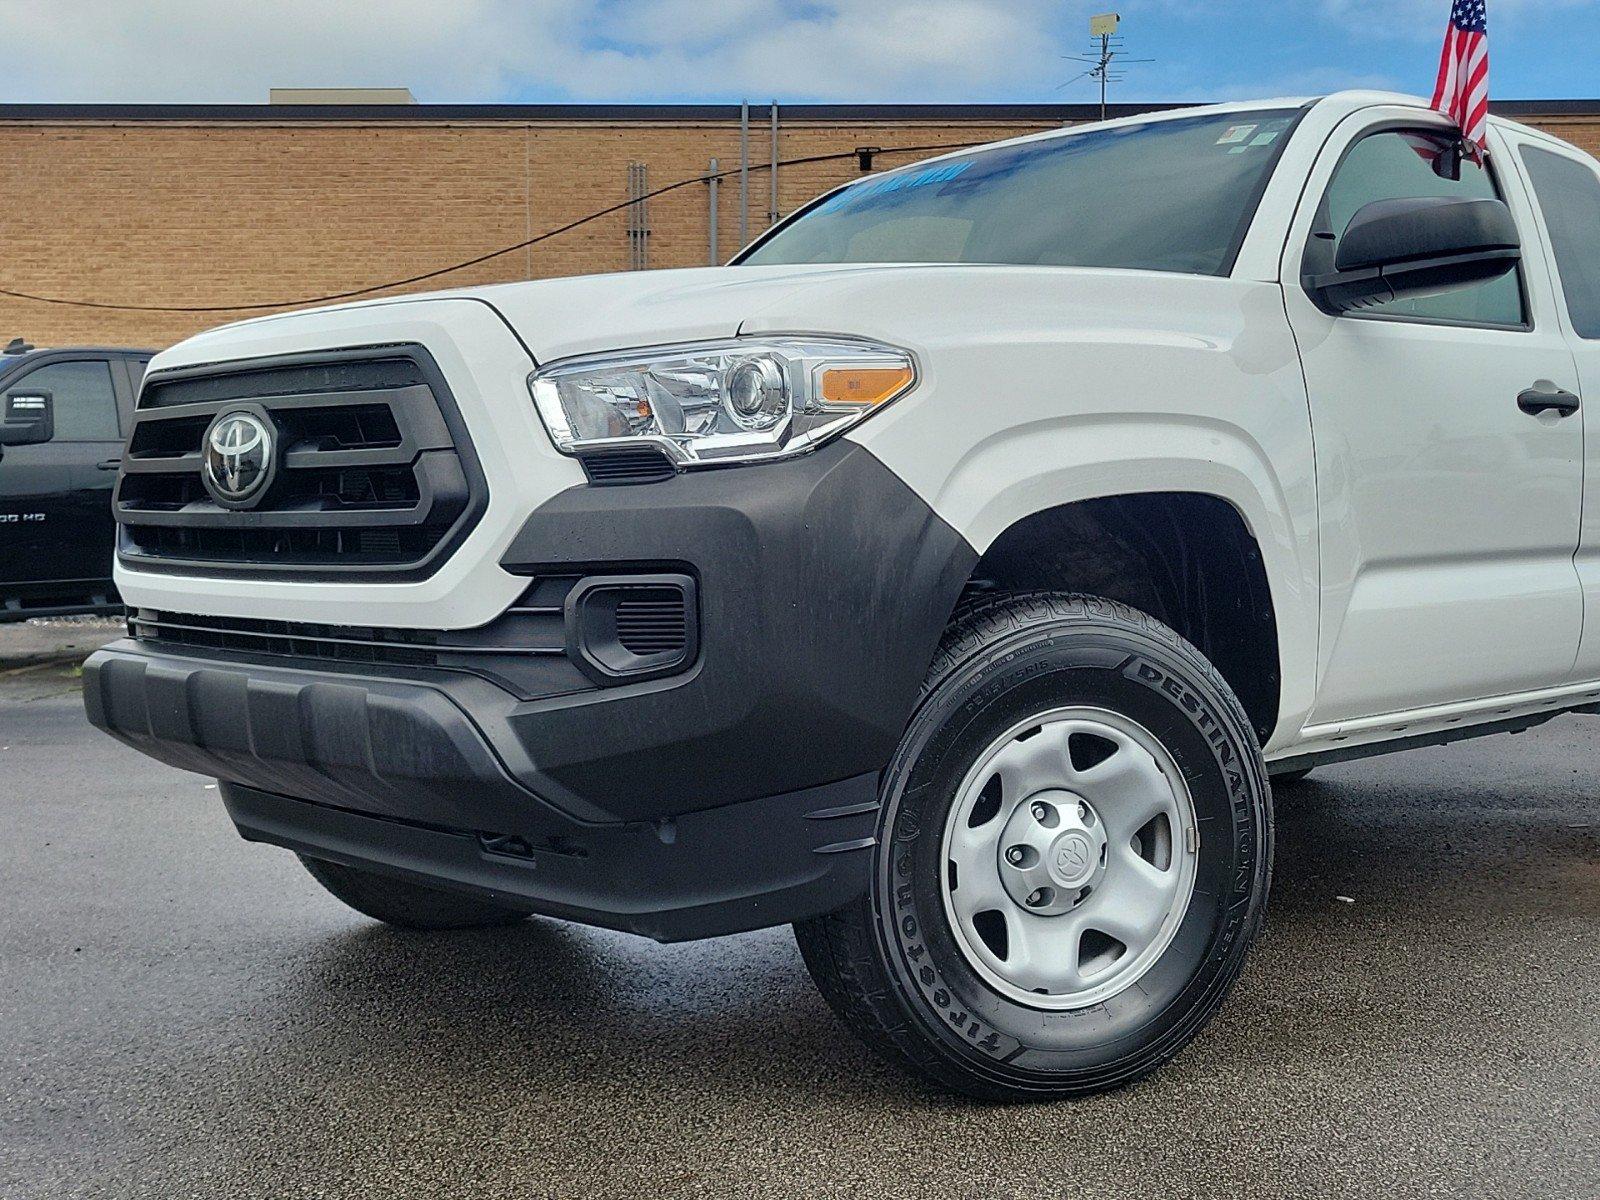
<point>1235,133</point>
<point>898,182</point>
<point>1265,139</point>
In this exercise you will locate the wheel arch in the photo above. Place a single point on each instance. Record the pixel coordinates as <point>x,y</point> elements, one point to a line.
<point>1188,558</point>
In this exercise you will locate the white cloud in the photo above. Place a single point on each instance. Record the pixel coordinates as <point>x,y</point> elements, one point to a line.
<point>192,50</point>
<point>474,50</point>
<point>675,50</point>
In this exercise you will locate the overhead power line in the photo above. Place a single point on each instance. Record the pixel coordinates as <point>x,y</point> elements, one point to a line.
<point>304,301</point>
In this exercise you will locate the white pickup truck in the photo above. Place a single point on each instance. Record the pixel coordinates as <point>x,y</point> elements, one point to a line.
<point>945,576</point>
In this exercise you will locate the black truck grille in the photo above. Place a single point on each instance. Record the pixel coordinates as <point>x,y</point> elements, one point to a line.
<point>375,475</point>
<point>564,633</point>
<point>523,649</point>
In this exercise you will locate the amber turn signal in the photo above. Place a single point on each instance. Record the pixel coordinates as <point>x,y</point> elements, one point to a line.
<point>864,385</point>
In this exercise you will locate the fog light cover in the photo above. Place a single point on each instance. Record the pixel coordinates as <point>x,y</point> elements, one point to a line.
<point>626,628</point>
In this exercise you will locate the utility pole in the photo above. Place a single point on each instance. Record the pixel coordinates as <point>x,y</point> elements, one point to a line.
<point>713,174</point>
<point>744,174</point>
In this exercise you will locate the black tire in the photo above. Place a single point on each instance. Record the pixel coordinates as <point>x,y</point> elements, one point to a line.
<point>889,965</point>
<point>1290,778</point>
<point>408,905</point>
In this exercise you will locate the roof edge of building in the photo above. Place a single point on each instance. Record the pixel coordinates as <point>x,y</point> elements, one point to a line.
<point>866,113</point>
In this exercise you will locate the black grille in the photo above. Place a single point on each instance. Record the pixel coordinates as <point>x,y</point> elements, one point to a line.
<point>523,649</point>
<point>643,464</point>
<point>375,477</point>
<point>564,633</point>
<point>297,639</point>
<point>319,373</point>
<point>652,621</point>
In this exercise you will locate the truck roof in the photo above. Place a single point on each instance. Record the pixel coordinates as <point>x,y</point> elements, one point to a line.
<point>11,360</point>
<point>10,356</point>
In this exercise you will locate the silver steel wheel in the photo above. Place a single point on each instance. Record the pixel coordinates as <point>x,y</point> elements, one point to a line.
<point>1069,857</point>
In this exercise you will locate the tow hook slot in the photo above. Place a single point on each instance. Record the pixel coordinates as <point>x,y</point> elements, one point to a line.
<point>512,845</point>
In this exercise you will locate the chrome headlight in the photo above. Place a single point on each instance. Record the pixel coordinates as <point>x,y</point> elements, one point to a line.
<point>714,402</point>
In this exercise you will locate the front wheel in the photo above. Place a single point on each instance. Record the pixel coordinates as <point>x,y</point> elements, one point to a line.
<point>1072,860</point>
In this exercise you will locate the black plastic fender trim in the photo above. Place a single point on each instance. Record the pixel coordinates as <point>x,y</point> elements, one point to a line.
<point>824,585</point>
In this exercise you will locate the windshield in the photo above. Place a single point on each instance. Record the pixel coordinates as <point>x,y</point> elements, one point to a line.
<point>1173,195</point>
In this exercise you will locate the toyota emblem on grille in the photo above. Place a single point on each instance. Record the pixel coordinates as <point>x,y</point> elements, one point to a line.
<point>239,458</point>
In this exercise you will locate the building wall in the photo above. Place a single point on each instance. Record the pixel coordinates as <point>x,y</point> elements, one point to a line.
<point>179,213</point>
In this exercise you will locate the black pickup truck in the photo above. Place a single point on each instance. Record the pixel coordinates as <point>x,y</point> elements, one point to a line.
<point>62,419</point>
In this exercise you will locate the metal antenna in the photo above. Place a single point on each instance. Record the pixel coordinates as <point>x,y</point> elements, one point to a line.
<point>1106,50</point>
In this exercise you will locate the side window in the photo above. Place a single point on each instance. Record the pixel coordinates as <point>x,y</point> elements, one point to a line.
<point>84,398</point>
<point>1400,164</point>
<point>1569,196</point>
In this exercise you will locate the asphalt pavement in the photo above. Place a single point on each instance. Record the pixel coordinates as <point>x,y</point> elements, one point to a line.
<point>183,1014</point>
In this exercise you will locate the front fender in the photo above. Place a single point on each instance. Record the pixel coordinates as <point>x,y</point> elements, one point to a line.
<point>1067,386</point>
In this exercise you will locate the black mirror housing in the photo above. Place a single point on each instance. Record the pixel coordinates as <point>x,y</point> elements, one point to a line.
<point>27,417</point>
<point>1417,246</point>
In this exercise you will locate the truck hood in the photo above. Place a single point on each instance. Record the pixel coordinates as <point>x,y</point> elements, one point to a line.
<point>927,308</point>
<point>585,314</point>
<point>559,318</point>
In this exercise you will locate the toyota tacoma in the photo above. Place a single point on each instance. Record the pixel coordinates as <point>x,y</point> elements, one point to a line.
<point>946,576</point>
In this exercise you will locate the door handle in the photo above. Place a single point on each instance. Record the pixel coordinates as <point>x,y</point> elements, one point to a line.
<point>110,464</point>
<point>1534,401</point>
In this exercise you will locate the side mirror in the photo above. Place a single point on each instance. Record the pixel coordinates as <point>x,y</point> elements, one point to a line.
<point>1414,247</point>
<point>27,417</point>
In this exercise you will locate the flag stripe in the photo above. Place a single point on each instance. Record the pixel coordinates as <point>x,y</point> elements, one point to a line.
<point>1461,91</point>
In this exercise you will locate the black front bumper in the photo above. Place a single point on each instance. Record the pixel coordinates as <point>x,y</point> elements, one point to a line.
<point>400,779</point>
<point>740,794</point>
<point>746,866</point>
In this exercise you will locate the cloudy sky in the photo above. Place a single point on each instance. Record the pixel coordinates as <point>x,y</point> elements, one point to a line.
<point>719,50</point>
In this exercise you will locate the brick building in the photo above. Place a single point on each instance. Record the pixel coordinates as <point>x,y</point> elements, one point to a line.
<point>219,205</point>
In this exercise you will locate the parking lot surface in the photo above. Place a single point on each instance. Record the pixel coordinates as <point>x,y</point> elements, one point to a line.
<point>182,1014</point>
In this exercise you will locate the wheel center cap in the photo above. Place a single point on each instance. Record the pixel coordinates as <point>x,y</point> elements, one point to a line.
<point>1052,852</point>
<point>1073,858</point>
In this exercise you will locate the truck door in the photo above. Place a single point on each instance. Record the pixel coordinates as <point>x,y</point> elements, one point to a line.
<point>1566,192</point>
<point>1448,512</point>
<point>56,526</point>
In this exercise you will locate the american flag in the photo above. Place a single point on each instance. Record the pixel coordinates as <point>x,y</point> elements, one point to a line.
<point>1462,93</point>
